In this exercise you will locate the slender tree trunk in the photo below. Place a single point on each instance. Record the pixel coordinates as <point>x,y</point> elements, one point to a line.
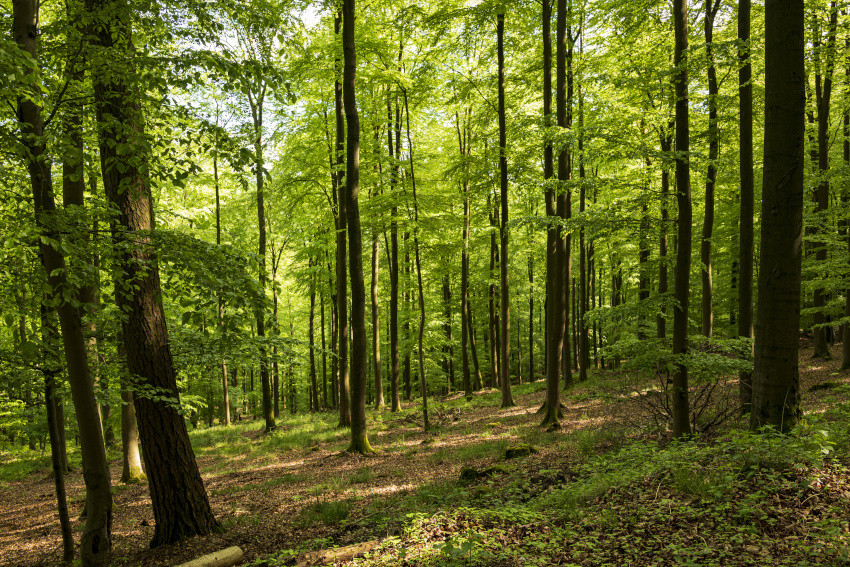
<point>49,334</point>
<point>408,387</point>
<point>376,328</point>
<point>341,250</point>
<point>505,368</point>
<point>359,348</point>
<point>494,327</point>
<point>394,180</point>
<point>311,334</point>
<point>583,340</point>
<point>711,7</point>
<point>823,94</point>
<point>776,378</point>
<point>681,407</point>
<point>96,542</point>
<point>845,197</point>
<point>746,248</point>
<point>661,320</point>
<point>465,328</point>
<point>563,104</point>
<point>423,383</point>
<point>324,352</point>
<point>448,350</point>
<point>224,389</point>
<point>531,372</point>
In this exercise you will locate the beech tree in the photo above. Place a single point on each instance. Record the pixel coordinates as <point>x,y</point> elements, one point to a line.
<point>776,378</point>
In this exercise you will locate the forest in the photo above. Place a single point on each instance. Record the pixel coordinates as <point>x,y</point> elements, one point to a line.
<point>440,282</point>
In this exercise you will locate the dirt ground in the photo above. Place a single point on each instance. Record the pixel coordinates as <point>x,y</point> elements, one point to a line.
<point>257,510</point>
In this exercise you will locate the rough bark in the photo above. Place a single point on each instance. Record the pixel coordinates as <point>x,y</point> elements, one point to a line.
<point>180,504</point>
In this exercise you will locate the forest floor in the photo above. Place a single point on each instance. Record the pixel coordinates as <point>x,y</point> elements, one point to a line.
<point>602,490</point>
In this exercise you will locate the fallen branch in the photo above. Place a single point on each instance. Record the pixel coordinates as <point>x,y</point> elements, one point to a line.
<point>329,556</point>
<point>224,558</point>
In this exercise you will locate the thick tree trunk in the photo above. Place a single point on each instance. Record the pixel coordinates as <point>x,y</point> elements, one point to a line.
<point>776,377</point>
<point>96,542</point>
<point>554,335</point>
<point>681,407</point>
<point>359,343</point>
<point>746,248</point>
<point>180,504</point>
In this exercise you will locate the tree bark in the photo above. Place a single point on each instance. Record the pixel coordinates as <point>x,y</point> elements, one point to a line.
<point>180,505</point>
<point>746,248</point>
<point>711,7</point>
<point>395,405</point>
<point>359,346</point>
<point>423,383</point>
<point>341,250</point>
<point>681,407</point>
<point>666,137</point>
<point>554,335</point>
<point>776,377</point>
<point>823,94</point>
<point>505,368</point>
<point>96,540</point>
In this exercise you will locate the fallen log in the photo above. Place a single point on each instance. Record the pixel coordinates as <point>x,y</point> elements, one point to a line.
<point>224,558</point>
<point>330,556</point>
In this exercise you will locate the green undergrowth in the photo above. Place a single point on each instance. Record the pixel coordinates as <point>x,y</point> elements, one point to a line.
<point>745,499</point>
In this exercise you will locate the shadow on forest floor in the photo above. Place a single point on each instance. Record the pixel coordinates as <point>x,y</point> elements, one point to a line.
<point>599,489</point>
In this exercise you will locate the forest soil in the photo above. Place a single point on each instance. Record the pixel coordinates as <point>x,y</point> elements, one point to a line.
<point>259,501</point>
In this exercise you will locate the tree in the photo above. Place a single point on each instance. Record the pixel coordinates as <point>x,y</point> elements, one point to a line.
<point>745,239</point>
<point>681,411</point>
<point>180,504</point>
<point>359,345</point>
<point>504,303</point>
<point>554,243</point>
<point>96,541</point>
<point>776,379</point>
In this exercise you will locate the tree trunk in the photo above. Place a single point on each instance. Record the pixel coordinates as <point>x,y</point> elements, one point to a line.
<point>555,253</point>
<point>341,250</point>
<point>823,94</point>
<point>845,197</point>
<point>394,180</point>
<point>423,383</point>
<point>505,368</point>
<point>224,389</point>
<point>681,407</point>
<point>96,542</point>
<point>448,349</point>
<point>776,378</point>
<point>711,7</point>
<point>666,137</point>
<point>359,343</point>
<point>746,248</point>
<point>311,334</point>
<point>465,328</point>
<point>180,504</point>
<point>49,334</point>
